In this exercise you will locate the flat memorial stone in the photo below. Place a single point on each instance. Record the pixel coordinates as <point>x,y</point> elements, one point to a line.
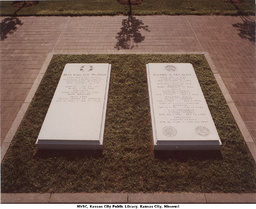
<point>76,115</point>
<point>180,117</point>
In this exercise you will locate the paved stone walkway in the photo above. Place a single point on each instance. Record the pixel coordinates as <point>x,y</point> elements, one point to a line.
<point>229,41</point>
<point>141,198</point>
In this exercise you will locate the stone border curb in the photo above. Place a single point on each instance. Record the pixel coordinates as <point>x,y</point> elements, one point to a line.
<point>240,123</point>
<point>140,198</point>
<point>8,139</point>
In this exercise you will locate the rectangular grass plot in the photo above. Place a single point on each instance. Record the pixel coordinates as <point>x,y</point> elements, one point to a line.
<point>180,117</point>
<point>76,115</point>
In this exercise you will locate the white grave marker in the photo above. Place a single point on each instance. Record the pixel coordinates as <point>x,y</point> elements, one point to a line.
<point>76,115</point>
<point>180,117</point>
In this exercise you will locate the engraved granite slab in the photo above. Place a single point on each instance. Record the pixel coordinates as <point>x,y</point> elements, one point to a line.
<point>180,117</point>
<point>76,115</point>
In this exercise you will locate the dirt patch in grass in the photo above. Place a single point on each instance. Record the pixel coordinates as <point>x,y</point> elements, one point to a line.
<point>128,162</point>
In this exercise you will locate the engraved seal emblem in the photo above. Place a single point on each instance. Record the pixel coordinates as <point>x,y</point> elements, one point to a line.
<point>202,131</point>
<point>91,68</point>
<point>170,68</point>
<point>82,68</point>
<point>169,131</point>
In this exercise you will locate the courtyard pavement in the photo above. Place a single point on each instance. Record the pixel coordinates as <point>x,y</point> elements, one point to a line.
<point>27,44</point>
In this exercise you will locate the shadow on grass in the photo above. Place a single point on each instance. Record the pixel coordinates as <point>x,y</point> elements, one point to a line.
<point>68,154</point>
<point>183,156</point>
<point>235,3</point>
<point>130,34</point>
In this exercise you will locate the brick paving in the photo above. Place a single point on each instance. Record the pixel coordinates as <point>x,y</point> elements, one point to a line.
<point>229,40</point>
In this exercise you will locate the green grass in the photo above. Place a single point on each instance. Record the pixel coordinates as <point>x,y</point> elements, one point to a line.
<point>149,7</point>
<point>128,162</point>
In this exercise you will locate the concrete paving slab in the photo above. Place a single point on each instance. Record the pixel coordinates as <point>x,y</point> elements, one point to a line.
<point>223,88</point>
<point>4,148</point>
<point>12,131</point>
<point>240,123</point>
<point>33,89</point>
<point>16,123</point>
<point>89,198</point>
<point>230,198</point>
<point>139,198</point>
<point>252,148</point>
<point>167,198</point>
<point>25,198</point>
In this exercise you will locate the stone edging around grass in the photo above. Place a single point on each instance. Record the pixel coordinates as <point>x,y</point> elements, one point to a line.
<point>124,197</point>
<point>140,198</point>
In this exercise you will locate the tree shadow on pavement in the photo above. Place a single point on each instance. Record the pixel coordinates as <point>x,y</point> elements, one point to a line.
<point>9,25</point>
<point>246,29</point>
<point>130,34</point>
